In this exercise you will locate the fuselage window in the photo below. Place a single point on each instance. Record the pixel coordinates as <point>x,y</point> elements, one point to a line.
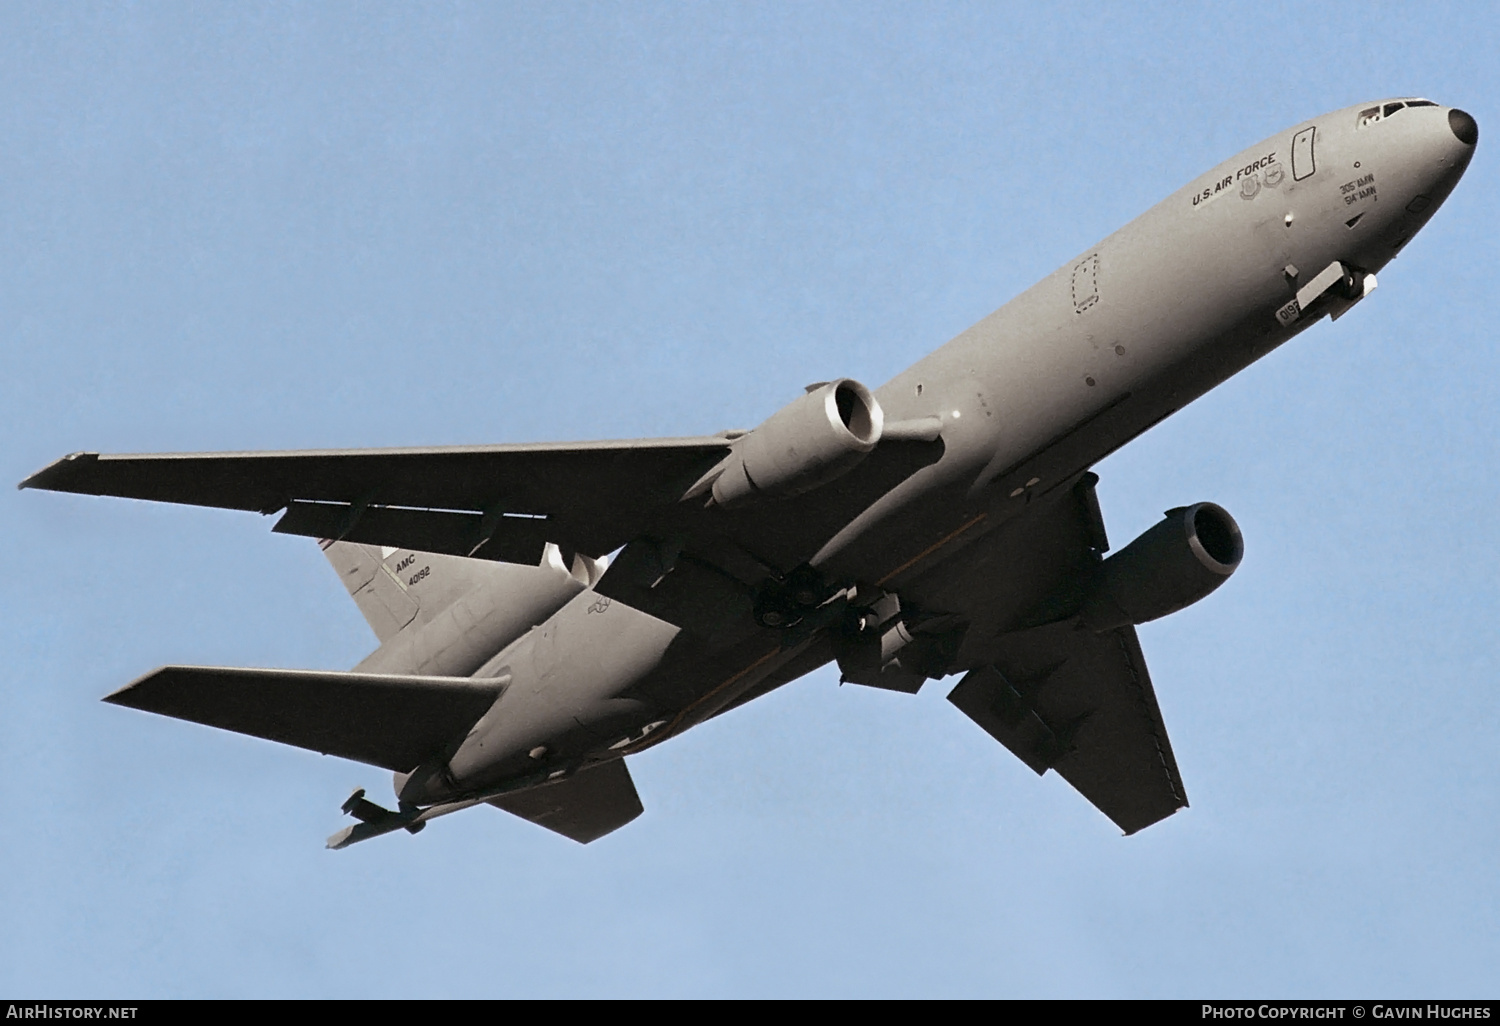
<point>1302,154</point>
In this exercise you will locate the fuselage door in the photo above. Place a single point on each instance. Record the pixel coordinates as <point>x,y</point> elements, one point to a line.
<point>1302,154</point>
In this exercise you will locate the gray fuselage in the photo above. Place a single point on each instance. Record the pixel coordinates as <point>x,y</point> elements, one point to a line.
<point>1111,343</point>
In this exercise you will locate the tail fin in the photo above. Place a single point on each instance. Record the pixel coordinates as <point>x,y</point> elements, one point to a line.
<point>387,604</point>
<point>395,588</point>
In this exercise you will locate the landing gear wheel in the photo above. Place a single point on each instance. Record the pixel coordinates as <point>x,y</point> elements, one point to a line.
<point>773,610</point>
<point>804,587</point>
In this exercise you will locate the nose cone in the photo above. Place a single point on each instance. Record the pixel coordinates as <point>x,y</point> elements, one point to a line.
<point>1465,128</point>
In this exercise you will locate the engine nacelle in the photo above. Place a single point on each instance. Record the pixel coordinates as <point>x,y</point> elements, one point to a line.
<point>805,444</point>
<point>1174,564</point>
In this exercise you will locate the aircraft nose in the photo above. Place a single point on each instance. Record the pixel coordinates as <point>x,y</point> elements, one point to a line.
<point>1464,126</point>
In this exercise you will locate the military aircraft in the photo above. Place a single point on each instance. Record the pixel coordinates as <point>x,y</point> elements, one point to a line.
<point>546,611</point>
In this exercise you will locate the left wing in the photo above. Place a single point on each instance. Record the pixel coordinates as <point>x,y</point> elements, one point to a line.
<point>491,501</point>
<point>1055,693</point>
<point>1065,698</point>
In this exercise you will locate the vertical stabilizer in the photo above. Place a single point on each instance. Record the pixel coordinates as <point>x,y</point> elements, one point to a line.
<point>387,604</point>
<point>442,615</point>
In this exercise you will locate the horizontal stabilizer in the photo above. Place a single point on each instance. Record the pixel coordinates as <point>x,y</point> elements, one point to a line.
<point>388,721</point>
<point>583,807</point>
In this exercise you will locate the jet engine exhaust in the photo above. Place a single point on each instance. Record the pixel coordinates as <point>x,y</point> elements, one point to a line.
<point>1184,558</point>
<point>807,443</point>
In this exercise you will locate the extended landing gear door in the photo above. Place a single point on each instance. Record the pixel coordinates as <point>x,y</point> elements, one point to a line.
<point>1330,276</point>
<point>1341,285</point>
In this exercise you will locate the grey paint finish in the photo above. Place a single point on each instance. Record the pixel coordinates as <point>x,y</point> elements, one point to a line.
<point>383,720</point>
<point>583,807</point>
<point>374,587</point>
<point>968,533</point>
<point>472,615</point>
<point>1081,703</point>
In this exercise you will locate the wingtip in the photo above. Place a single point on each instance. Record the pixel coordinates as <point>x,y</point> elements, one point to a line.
<point>121,695</point>
<point>53,477</point>
<point>117,696</point>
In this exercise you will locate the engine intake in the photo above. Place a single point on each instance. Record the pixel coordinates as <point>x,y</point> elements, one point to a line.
<point>807,443</point>
<point>1174,564</point>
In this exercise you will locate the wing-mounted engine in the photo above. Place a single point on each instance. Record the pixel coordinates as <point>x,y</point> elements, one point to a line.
<point>807,443</point>
<point>1182,559</point>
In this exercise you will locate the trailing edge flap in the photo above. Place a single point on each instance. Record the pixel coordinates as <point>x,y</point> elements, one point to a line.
<point>1062,697</point>
<point>583,807</point>
<point>494,501</point>
<point>389,721</point>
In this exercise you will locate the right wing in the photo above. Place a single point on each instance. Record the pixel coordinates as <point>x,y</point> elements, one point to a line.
<point>503,502</point>
<point>491,501</point>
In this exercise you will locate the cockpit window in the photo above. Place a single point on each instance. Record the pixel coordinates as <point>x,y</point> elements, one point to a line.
<point>1371,115</point>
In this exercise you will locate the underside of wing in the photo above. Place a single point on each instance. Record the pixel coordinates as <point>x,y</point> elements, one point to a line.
<point>389,721</point>
<point>495,502</point>
<point>583,807</point>
<point>1057,694</point>
<point>506,502</point>
<point>1081,703</point>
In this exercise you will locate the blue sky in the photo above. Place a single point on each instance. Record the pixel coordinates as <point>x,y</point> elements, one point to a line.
<point>268,226</point>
